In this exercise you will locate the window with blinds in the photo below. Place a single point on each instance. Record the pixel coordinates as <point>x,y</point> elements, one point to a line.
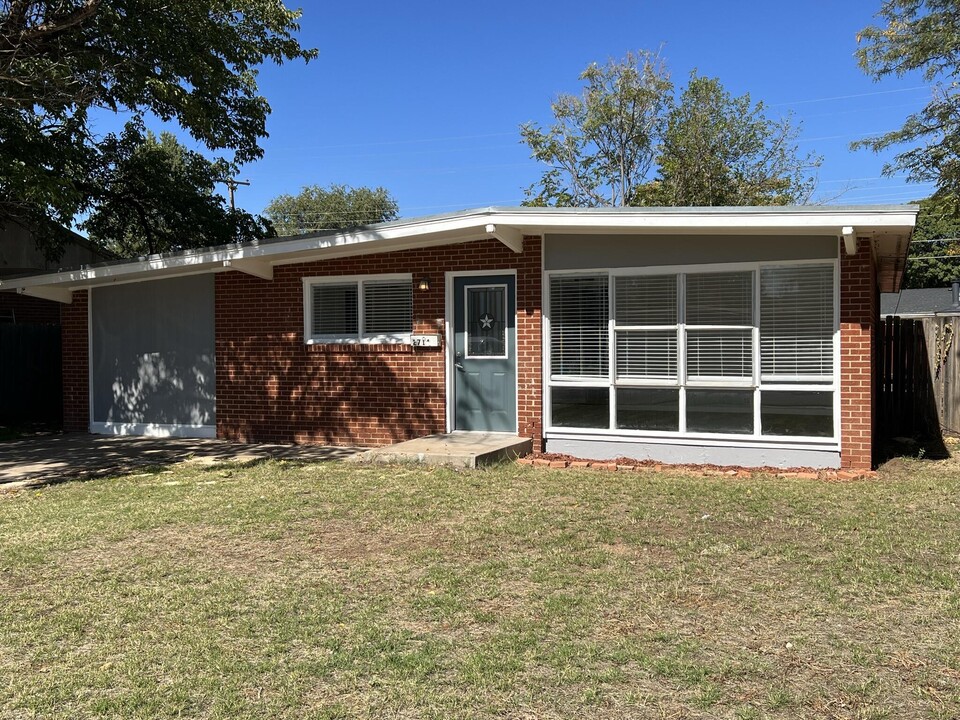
<point>335,310</point>
<point>360,310</point>
<point>738,352</point>
<point>645,327</point>
<point>797,323</point>
<point>719,326</point>
<point>579,334</point>
<point>387,308</point>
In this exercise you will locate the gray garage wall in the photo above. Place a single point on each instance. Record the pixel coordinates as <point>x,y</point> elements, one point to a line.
<point>153,356</point>
<point>574,252</point>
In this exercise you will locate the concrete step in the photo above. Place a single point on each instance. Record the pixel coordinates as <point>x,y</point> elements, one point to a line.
<point>457,449</point>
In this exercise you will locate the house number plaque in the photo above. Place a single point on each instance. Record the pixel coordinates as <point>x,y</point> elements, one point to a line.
<point>425,340</point>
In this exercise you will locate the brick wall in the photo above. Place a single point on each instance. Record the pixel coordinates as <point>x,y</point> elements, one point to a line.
<point>28,310</point>
<point>273,387</point>
<point>859,314</point>
<point>76,377</point>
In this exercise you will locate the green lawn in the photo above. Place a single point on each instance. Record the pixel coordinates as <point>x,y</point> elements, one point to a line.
<point>332,590</point>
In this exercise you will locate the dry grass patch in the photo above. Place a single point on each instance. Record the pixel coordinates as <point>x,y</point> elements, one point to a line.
<point>335,590</point>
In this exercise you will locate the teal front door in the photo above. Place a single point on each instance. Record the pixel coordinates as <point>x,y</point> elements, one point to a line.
<point>485,353</point>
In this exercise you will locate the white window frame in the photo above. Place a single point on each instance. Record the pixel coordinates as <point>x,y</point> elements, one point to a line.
<point>754,384</point>
<point>309,338</point>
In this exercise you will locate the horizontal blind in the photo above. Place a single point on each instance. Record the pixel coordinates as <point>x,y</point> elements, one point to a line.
<point>387,307</point>
<point>646,354</point>
<point>335,310</point>
<point>720,298</point>
<point>645,300</point>
<point>797,322</point>
<point>579,315</point>
<point>724,354</point>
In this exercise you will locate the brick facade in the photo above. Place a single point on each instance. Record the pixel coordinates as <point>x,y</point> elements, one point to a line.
<point>76,370</point>
<point>273,387</point>
<point>859,315</point>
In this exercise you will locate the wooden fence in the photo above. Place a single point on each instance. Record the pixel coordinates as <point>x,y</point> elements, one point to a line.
<point>31,385</point>
<point>918,372</point>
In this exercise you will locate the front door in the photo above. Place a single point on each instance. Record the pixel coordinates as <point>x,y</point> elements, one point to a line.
<point>485,353</point>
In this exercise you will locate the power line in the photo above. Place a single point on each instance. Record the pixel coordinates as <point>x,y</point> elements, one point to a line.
<point>848,97</point>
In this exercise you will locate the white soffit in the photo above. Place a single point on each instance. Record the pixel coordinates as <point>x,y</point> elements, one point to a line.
<point>508,225</point>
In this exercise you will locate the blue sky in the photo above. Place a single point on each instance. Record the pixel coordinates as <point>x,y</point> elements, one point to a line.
<point>425,98</point>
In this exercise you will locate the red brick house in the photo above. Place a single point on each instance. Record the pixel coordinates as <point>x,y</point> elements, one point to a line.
<point>712,335</point>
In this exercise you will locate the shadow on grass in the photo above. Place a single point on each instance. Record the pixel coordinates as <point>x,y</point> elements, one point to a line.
<point>915,448</point>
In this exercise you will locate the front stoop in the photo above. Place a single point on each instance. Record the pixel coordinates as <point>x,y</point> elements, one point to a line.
<point>456,449</point>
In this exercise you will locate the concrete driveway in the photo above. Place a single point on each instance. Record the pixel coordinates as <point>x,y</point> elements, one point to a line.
<point>54,457</point>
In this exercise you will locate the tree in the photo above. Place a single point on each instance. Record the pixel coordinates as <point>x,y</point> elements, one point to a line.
<point>718,149</point>
<point>189,61</point>
<point>934,259</point>
<point>626,141</point>
<point>920,36</point>
<point>156,195</point>
<point>602,143</point>
<point>337,207</point>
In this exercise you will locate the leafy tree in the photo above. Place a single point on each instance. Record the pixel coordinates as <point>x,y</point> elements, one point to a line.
<point>717,149</point>
<point>626,141</point>
<point>937,237</point>
<point>337,207</point>
<point>156,195</point>
<point>924,36</point>
<point>602,143</point>
<point>189,61</point>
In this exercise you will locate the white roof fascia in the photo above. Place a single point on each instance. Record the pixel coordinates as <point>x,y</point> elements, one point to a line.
<point>796,222</point>
<point>510,225</point>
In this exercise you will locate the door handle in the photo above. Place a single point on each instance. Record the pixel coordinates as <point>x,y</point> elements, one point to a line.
<point>457,364</point>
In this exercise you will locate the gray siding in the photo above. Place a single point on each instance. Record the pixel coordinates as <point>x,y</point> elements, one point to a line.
<point>573,252</point>
<point>153,352</point>
<point>693,454</point>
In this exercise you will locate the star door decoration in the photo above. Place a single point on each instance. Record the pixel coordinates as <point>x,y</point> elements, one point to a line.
<point>486,321</point>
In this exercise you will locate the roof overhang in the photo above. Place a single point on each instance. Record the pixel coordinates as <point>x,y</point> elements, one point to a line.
<point>888,227</point>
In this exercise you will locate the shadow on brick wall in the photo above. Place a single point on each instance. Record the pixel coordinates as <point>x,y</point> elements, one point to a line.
<point>272,391</point>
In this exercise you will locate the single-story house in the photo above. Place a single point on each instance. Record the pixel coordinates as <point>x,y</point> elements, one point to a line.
<point>735,336</point>
<point>921,302</point>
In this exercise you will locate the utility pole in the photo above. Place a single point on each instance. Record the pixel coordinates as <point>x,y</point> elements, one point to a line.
<point>232,185</point>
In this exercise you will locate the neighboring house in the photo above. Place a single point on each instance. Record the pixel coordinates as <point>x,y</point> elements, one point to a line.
<point>30,347</point>
<point>921,302</point>
<point>740,336</point>
<point>19,256</point>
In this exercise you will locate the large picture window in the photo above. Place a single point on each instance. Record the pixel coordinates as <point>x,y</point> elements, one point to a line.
<point>374,309</point>
<point>727,351</point>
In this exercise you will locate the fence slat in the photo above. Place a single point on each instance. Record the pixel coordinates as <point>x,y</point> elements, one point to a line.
<point>918,377</point>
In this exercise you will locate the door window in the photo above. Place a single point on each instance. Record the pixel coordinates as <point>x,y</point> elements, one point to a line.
<point>486,315</point>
